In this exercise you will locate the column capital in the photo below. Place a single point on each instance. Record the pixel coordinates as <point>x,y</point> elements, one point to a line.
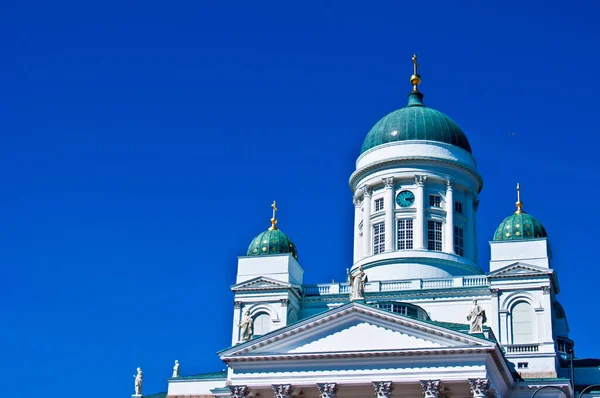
<point>479,387</point>
<point>495,292</point>
<point>237,304</point>
<point>282,390</point>
<point>357,202</point>
<point>450,184</point>
<point>239,391</point>
<point>389,182</point>
<point>546,289</point>
<point>367,191</point>
<point>383,388</point>
<point>431,388</point>
<point>284,303</point>
<point>327,390</point>
<point>420,180</point>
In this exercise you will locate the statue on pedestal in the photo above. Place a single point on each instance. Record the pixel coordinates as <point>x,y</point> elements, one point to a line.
<point>176,369</point>
<point>357,284</point>
<point>138,381</point>
<point>477,318</point>
<point>246,327</point>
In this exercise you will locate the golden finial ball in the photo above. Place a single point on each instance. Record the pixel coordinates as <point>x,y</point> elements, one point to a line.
<point>415,79</point>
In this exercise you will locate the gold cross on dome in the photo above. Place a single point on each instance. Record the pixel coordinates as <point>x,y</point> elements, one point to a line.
<point>274,219</point>
<point>519,203</point>
<point>414,59</point>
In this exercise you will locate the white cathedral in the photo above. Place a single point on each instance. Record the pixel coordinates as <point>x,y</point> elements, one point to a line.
<point>418,317</point>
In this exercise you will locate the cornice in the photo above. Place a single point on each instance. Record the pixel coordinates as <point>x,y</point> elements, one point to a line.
<point>365,170</point>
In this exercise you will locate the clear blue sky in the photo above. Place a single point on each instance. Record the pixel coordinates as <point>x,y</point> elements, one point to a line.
<point>142,143</point>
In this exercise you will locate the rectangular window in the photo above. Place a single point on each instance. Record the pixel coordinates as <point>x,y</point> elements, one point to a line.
<point>378,238</point>
<point>405,234</point>
<point>523,365</point>
<point>379,204</point>
<point>459,242</point>
<point>434,235</point>
<point>458,207</point>
<point>435,201</point>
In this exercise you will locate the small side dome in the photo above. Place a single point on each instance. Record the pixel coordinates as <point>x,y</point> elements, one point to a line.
<point>520,225</point>
<point>272,241</point>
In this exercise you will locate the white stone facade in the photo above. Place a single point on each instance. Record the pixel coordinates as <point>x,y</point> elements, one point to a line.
<point>409,337</point>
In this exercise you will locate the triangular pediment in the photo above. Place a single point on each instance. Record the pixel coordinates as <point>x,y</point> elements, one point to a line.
<point>260,283</point>
<point>520,269</point>
<point>355,328</point>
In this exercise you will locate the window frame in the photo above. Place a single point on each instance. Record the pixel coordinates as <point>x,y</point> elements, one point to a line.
<point>435,200</point>
<point>379,201</point>
<point>378,238</point>
<point>406,235</point>
<point>435,236</point>
<point>459,241</point>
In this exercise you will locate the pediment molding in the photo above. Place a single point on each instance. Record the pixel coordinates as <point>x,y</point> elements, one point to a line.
<point>324,335</point>
<point>520,269</point>
<point>261,283</point>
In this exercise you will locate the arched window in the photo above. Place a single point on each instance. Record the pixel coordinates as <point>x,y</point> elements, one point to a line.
<point>262,324</point>
<point>522,323</point>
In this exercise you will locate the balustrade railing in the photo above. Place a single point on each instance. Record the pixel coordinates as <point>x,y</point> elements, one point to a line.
<point>407,284</point>
<point>521,348</point>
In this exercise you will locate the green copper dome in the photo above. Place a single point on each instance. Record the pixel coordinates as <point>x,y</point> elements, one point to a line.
<point>272,241</point>
<point>520,225</point>
<point>416,122</point>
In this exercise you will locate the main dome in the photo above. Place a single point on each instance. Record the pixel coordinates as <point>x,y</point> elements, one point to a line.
<point>416,122</point>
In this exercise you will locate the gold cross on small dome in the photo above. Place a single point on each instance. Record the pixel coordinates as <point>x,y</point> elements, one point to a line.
<point>274,219</point>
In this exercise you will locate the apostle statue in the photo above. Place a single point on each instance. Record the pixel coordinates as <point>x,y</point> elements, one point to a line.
<point>176,369</point>
<point>476,318</point>
<point>357,284</point>
<point>138,381</point>
<point>246,327</point>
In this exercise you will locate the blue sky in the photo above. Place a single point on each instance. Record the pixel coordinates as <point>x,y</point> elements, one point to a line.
<point>143,142</point>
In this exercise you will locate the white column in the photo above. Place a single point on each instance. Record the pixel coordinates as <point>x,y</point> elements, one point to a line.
<point>469,227</point>
<point>480,388</point>
<point>357,221</point>
<point>494,320</point>
<point>449,238</point>
<point>389,213</point>
<point>367,244</point>
<point>546,325</point>
<point>419,227</point>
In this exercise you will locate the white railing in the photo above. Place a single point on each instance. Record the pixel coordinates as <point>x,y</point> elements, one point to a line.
<point>390,286</point>
<point>520,348</point>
